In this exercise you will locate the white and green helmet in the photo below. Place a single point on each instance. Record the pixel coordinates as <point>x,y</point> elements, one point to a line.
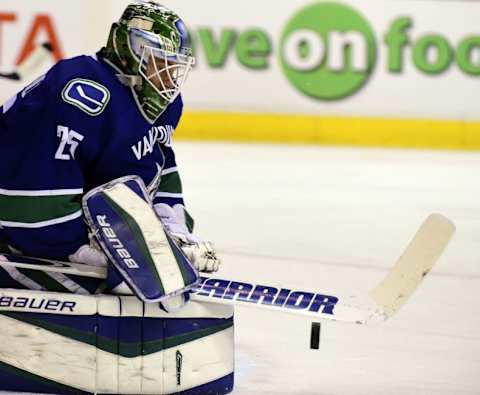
<point>150,49</point>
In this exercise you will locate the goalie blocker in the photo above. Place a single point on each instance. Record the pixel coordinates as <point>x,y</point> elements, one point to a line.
<point>129,232</point>
<point>57,343</point>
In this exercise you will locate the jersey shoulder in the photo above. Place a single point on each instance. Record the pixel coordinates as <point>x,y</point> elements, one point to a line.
<point>83,84</point>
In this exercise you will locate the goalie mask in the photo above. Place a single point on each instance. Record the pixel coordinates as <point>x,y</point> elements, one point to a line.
<point>149,48</point>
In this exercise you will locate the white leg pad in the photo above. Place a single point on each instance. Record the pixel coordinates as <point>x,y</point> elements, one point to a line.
<point>113,344</point>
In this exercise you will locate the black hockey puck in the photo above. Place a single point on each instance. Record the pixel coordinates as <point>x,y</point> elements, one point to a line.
<point>315,336</point>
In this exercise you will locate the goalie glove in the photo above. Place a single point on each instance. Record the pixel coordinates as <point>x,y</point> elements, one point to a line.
<point>89,255</point>
<point>202,255</point>
<point>199,252</point>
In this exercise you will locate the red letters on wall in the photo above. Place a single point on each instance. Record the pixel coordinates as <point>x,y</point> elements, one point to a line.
<point>41,23</point>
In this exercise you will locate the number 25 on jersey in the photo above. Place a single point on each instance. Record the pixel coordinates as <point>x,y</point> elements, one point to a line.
<point>69,140</point>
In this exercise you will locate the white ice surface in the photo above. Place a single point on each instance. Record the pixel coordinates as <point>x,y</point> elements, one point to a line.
<point>336,219</point>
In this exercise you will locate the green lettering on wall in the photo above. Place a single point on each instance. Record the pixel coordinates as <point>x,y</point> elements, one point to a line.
<point>464,55</point>
<point>443,54</point>
<point>396,39</point>
<point>253,49</point>
<point>216,51</point>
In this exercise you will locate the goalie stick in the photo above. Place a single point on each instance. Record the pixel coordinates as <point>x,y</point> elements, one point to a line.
<point>379,304</point>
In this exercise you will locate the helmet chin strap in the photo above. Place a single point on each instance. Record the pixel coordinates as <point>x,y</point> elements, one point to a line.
<point>133,81</point>
<point>127,80</point>
<point>130,80</point>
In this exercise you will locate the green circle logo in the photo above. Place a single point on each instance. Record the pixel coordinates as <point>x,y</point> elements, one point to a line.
<point>328,51</point>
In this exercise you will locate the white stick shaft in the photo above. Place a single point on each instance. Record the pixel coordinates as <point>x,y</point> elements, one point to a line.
<point>382,302</point>
<point>282,299</point>
<point>226,291</point>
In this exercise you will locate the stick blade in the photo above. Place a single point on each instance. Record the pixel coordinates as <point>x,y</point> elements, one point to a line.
<point>31,66</point>
<point>416,261</point>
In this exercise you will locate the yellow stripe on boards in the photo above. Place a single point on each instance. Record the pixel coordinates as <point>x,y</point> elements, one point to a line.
<point>350,131</point>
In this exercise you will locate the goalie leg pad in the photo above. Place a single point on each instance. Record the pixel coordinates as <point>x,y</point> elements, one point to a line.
<point>76,344</point>
<point>38,274</point>
<point>121,215</point>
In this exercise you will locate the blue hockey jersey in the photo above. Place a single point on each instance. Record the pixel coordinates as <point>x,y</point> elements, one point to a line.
<point>73,129</point>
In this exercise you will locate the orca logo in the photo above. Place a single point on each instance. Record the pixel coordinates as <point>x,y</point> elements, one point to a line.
<point>89,96</point>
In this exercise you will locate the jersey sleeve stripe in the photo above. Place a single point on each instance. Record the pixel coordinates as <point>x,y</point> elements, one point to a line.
<point>41,224</point>
<point>35,209</point>
<point>168,195</point>
<point>49,192</point>
<point>173,169</point>
<point>170,183</point>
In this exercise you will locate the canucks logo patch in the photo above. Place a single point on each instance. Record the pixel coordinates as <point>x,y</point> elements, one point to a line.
<point>89,96</point>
